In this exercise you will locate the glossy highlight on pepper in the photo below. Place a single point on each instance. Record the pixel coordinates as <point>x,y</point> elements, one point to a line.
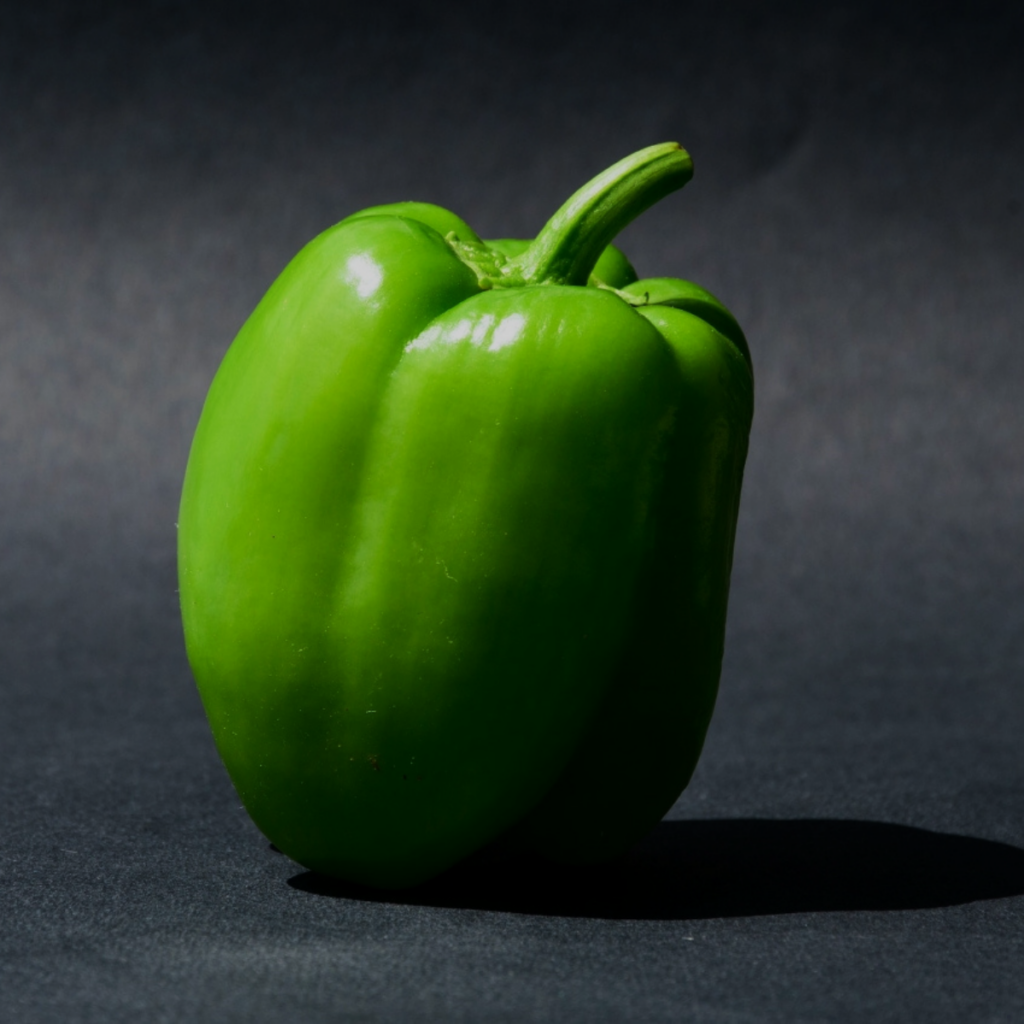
<point>456,535</point>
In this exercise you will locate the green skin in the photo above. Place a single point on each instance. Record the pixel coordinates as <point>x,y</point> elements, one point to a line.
<point>456,535</point>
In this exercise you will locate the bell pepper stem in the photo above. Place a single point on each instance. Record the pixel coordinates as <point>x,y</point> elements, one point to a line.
<point>571,242</point>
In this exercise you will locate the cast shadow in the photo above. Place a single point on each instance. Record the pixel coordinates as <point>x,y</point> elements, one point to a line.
<point>728,868</point>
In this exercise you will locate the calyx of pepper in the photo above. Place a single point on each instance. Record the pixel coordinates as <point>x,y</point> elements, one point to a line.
<point>570,244</point>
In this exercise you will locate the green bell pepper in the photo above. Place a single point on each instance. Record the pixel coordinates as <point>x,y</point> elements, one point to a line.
<point>456,534</point>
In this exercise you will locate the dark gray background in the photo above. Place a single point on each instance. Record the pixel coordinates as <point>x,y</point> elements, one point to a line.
<point>851,845</point>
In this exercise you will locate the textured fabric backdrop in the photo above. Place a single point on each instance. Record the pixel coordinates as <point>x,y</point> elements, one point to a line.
<point>852,845</point>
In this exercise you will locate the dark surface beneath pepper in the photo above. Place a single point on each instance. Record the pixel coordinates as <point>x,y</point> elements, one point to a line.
<point>852,844</point>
